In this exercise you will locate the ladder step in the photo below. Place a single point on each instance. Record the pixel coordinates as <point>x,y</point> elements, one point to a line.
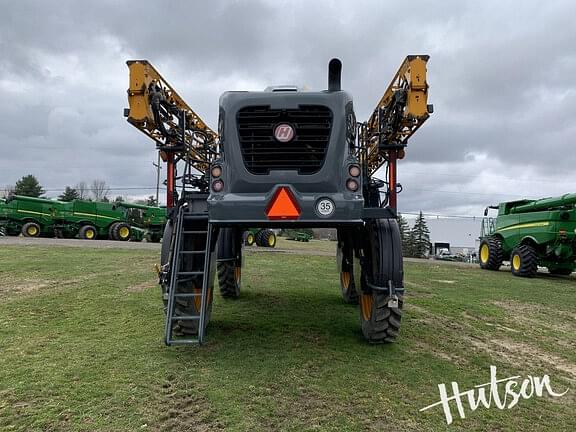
<point>184,295</point>
<point>183,341</point>
<point>196,217</point>
<point>185,318</point>
<point>190,252</point>
<point>194,232</point>
<point>190,273</point>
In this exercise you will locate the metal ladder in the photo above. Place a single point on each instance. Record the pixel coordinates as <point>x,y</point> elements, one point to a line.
<point>201,228</point>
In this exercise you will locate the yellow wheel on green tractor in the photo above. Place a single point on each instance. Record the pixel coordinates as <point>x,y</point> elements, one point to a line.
<point>87,232</point>
<point>250,239</point>
<point>484,253</point>
<point>516,262</point>
<point>272,239</point>
<point>124,232</point>
<point>31,229</point>
<point>524,261</point>
<point>490,253</point>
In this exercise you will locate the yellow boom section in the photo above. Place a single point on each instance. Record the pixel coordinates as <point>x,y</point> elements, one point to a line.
<point>159,112</point>
<point>401,111</point>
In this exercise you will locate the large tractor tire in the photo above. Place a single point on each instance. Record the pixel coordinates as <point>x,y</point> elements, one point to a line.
<point>185,306</point>
<point>121,231</point>
<point>249,238</point>
<point>380,314</point>
<point>258,238</point>
<point>31,229</point>
<point>88,232</point>
<point>229,263</point>
<point>268,238</point>
<point>111,231</point>
<point>560,271</point>
<point>490,253</point>
<point>524,261</point>
<point>344,256</point>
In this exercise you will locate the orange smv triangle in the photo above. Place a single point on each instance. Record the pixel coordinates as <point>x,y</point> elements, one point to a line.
<point>283,205</point>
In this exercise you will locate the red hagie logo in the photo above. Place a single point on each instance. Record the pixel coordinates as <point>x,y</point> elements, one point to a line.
<point>284,132</point>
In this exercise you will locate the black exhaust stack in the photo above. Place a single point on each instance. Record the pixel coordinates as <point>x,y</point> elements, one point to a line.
<point>334,75</point>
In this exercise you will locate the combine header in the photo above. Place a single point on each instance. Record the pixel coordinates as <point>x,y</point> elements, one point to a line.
<point>282,158</point>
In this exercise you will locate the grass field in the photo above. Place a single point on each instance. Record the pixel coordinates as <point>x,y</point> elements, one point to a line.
<point>81,330</point>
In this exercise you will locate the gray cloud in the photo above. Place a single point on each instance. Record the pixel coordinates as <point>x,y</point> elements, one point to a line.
<point>500,79</point>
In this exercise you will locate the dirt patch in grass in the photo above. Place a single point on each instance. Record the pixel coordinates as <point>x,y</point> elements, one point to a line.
<point>184,409</point>
<point>22,286</point>
<point>515,352</point>
<point>538,316</point>
<point>143,286</point>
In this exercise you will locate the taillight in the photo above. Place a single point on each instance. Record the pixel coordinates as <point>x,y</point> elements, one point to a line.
<point>354,170</point>
<point>217,185</point>
<point>352,185</point>
<point>216,171</point>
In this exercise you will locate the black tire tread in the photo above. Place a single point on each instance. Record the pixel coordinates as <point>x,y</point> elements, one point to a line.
<point>495,253</point>
<point>27,225</point>
<point>229,288</point>
<point>528,261</point>
<point>384,323</point>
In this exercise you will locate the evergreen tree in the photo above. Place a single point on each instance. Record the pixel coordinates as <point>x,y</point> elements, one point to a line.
<point>28,186</point>
<point>404,235</point>
<point>420,238</point>
<point>70,194</point>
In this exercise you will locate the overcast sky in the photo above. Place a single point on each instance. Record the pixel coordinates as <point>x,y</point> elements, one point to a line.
<point>501,74</point>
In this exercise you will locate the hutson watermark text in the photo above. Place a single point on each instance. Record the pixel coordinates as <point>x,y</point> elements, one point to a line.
<point>503,393</point>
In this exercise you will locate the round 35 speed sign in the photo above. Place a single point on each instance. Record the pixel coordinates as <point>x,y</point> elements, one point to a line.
<point>325,207</point>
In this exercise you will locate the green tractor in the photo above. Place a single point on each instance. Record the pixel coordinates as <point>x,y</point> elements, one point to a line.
<point>531,233</point>
<point>149,218</point>
<point>260,237</point>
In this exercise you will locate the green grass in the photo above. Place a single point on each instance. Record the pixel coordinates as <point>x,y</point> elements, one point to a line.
<point>81,348</point>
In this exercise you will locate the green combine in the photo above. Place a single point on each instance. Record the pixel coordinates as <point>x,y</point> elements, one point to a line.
<point>31,217</point>
<point>39,217</point>
<point>531,233</point>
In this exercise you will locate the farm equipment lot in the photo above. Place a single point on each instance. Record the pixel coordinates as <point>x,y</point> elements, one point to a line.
<point>81,347</point>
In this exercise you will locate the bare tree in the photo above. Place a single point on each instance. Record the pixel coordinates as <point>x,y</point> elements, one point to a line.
<point>7,191</point>
<point>100,190</point>
<point>82,189</point>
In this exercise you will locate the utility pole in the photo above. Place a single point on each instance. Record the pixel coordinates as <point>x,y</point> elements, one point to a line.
<point>158,168</point>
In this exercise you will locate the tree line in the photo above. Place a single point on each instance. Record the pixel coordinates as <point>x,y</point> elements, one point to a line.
<point>97,190</point>
<point>415,240</point>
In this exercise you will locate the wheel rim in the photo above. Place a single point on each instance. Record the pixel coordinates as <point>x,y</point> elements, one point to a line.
<point>516,262</point>
<point>271,241</point>
<point>345,278</point>
<point>198,299</point>
<point>366,303</point>
<point>237,274</point>
<point>124,232</point>
<point>250,239</point>
<point>90,234</point>
<point>484,253</point>
<point>32,230</point>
